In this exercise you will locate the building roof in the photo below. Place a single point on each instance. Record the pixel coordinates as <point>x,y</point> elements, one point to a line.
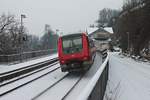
<point>91,30</point>
<point>109,29</point>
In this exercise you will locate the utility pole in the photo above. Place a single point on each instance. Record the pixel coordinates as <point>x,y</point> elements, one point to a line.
<point>57,30</point>
<point>128,42</point>
<point>21,36</point>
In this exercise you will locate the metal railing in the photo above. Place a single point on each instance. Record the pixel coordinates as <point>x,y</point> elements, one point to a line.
<point>96,87</point>
<point>25,55</point>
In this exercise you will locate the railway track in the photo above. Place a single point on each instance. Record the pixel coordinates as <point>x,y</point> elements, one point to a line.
<point>47,83</point>
<point>8,88</point>
<point>58,82</point>
<point>24,70</point>
<point>26,75</point>
<point>72,88</point>
<point>37,96</point>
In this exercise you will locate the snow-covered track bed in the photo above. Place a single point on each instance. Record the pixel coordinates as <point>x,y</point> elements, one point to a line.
<point>73,86</point>
<point>23,70</point>
<point>22,81</point>
<point>66,83</point>
<point>55,85</point>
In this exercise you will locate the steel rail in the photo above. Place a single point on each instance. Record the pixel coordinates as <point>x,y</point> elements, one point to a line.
<point>17,72</point>
<point>7,72</point>
<point>34,98</point>
<point>15,88</point>
<point>72,87</point>
<point>28,74</point>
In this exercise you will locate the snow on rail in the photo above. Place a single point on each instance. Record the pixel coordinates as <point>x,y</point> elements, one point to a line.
<point>7,68</point>
<point>31,90</point>
<point>90,86</point>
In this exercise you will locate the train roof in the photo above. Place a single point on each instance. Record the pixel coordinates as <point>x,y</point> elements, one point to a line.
<point>71,35</point>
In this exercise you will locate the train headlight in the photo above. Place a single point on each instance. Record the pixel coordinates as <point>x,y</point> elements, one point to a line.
<point>85,58</point>
<point>62,61</point>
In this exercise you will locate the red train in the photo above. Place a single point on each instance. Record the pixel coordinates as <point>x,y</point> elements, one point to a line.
<point>75,52</point>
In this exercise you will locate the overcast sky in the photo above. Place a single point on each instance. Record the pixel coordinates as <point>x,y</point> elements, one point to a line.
<point>66,15</point>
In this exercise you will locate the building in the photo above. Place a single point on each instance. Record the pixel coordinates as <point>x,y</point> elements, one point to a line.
<point>102,36</point>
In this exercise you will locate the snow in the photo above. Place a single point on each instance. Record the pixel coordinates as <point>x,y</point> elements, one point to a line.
<point>31,90</point>
<point>60,90</point>
<point>128,79</point>
<point>82,85</point>
<point>91,30</point>
<point>109,29</point>
<point>26,79</point>
<point>90,86</point>
<point>6,68</point>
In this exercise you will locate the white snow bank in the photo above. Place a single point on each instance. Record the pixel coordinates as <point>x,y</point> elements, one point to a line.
<point>128,79</point>
<point>6,68</point>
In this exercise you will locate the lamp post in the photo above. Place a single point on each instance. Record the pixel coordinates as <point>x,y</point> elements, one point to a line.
<point>128,42</point>
<point>22,16</point>
<point>21,35</point>
<point>57,30</point>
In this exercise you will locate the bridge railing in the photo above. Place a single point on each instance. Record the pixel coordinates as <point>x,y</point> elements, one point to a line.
<point>96,87</point>
<point>24,55</point>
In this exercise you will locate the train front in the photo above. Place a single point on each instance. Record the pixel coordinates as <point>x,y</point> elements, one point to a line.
<point>73,52</point>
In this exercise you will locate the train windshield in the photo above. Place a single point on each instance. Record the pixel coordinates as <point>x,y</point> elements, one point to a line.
<point>72,44</point>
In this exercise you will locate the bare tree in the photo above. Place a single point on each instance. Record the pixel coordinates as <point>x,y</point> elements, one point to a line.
<point>9,34</point>
<point>106,16</point>
<point>6,21</point>
<point>49,39</point>
<point>128,4</point>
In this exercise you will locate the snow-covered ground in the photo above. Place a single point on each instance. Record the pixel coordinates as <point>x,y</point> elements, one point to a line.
<point>128,79</point>
<point>6,68</point>
<point>74,95</point>
<point>56,92</point>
